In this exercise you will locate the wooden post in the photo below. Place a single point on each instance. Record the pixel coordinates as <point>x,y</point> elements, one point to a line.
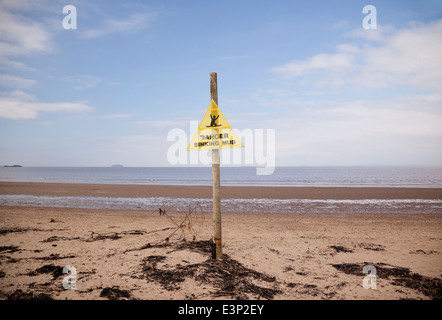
<point>216,179</point>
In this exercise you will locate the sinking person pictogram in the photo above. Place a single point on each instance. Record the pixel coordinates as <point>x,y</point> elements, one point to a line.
<point>214,132</point>
<point>213,121</point>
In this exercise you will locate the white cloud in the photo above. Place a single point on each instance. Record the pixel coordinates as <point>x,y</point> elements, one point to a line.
<point>380,34</point>
<point>410,57</point>
<point>162,124</point>
<point>406,57</point>
<point>232,58</point>
<point>119,115</point>
<point>340,25</point>
<point>21,36</point>
<point>7,80</point>
<point>25,5</point>
<point>371,130</point>
<point>84,81</point>
<point>367,132</point>
<point>20,106</point>
<point>332,62</point>
<point>135,22</point>
<point>47,123</point>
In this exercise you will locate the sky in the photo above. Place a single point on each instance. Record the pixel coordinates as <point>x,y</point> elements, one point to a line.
<point>111,90</point>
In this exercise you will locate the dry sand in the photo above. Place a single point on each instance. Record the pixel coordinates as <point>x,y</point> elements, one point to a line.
<point>125,255</point>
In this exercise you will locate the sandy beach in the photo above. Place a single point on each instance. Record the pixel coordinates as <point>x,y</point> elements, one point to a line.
<point>119,254</point>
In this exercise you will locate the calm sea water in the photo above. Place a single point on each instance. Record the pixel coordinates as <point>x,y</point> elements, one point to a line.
<point>424,177</point>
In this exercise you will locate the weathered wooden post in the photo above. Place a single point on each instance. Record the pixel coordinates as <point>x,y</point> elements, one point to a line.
<point>215,133</point>
<point>216,184</point>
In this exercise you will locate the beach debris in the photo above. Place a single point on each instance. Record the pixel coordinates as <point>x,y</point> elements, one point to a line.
<point>57,238</point>
<point>164,208</point>
<point>228,276</point>
<point>11,260</point>
<point>341,249</point>
<point>9,249</point>
<point>399,276</point>
<point>419,251</point>
<point>274,250</point>
<point>55,256</point>
<point>201,246</point>
<point>5,231</point>
<point>115,293</point>
<point>10,230</point>
<point>292,284</point>
<point>113,235</point>
<point>30,295</point>
<point>186,223</point>
<point>183,221</point>
<point>56,271</point>
<point>95,236</point>
<point>371,246</point>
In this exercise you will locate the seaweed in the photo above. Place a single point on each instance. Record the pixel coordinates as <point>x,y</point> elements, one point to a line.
<point>9,249</point>
<point>430,287</point>
<point>341,249</point>
<point>55,256</point>
<point>228,276</point>
<point>20,295</point>
<point>372,246</point>
<point>56,271</point>
<point>115,293</point>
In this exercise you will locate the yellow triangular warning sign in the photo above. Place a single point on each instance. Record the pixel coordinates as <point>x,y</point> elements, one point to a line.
<point>214,119</point>
<point>214,132</point>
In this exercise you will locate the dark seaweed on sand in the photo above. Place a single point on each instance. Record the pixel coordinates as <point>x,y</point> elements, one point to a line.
<point>115,293</point>
<point>341,249</point>
<point>56,271</point>
<point>431,287</point>
<point>20,295</point>
<point>228,276</point>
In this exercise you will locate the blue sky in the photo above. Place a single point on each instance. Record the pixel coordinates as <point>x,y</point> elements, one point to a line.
<point>109,91</point>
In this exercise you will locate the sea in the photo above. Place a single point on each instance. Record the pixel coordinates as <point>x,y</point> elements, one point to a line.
<point>398,177</point>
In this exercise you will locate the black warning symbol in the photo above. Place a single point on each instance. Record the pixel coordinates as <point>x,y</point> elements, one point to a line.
<point>213,121</point>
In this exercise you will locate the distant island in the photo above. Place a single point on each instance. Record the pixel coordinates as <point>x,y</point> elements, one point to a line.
<point>14,166</point>
<point>117,166</point>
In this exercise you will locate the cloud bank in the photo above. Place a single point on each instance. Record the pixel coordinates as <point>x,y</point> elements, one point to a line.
<point>382,105</point>
<point>386,57</point>
<point>20,106</point>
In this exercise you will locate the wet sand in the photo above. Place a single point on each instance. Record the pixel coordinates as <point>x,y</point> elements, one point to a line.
<point>142,255</point>
<point>137,191</point>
